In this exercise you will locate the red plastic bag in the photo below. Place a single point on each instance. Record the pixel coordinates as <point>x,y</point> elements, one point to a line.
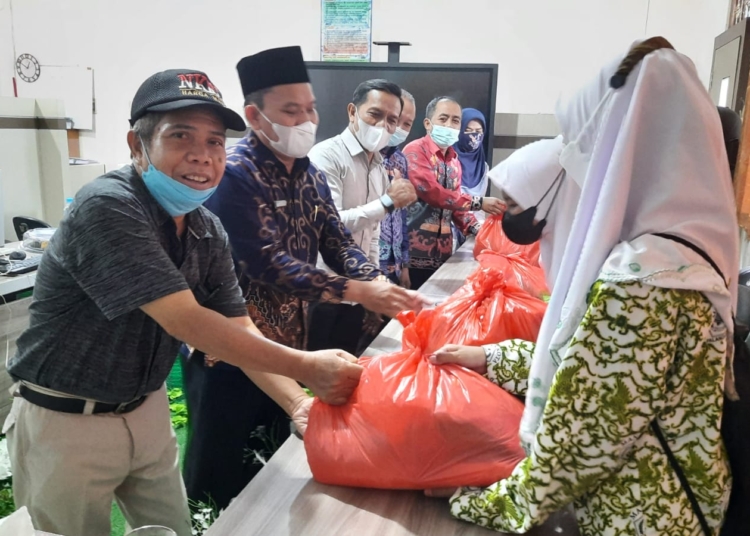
<point>487,309</point>
<point>518,271</point>
<point>491,237</point>
<point>414,425</point>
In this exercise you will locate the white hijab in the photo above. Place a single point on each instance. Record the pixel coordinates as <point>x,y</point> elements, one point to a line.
<point>526,176</point>
<point>651,159</point>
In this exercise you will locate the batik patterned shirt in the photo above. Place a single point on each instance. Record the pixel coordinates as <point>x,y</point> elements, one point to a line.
<point>436,176</point>
<point>394,233</point>
<point>641,353</point>
<point>277,223</point>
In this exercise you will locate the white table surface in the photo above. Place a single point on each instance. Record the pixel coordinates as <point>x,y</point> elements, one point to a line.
<point>284,500</point>
<point>9,285</point>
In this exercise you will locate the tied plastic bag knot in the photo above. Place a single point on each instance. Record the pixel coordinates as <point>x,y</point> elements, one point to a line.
<point>488,281</point>
<point>491,238</point>
<point>414,337</point>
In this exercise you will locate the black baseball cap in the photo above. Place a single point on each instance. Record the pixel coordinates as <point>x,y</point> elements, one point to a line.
<point>180,88</point>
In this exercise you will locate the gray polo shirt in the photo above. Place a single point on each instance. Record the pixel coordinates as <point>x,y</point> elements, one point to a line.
<point>116,250</point>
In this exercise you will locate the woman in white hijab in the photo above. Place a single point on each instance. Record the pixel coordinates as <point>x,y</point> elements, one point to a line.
<point>637,332</point>
<point>541,200</point>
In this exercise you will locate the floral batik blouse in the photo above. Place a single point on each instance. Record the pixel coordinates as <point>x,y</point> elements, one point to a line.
<point>641,353</point>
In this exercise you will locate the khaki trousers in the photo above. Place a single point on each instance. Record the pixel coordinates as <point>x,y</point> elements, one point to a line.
<point>68,468</point>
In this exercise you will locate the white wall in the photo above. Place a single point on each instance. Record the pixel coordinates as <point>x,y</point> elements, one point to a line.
<point>33,164</point>
<point>543,47</point>
<point>6,50</point>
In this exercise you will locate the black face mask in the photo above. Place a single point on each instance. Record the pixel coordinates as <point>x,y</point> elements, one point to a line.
<point>520,228</point>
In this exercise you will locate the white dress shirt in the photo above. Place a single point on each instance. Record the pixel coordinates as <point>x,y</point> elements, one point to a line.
<point>356,186</point>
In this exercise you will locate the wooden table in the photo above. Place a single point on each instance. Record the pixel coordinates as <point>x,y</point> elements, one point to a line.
<point>284,500</point>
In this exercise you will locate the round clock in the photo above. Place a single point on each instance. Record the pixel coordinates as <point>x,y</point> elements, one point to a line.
<point>27,67</point>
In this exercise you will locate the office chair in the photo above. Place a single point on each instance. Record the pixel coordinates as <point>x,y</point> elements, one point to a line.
<point>24,223</point>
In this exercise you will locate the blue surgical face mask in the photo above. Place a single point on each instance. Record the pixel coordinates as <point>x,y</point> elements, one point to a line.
<point>174,197</point>
<point>398,137</point>
<point>444,137</point>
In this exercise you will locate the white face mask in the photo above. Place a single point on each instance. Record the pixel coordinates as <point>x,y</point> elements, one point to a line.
<point>371,138</point>
<point>294,142</point>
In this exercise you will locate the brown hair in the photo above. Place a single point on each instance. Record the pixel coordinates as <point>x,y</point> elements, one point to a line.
<point>634,57</point>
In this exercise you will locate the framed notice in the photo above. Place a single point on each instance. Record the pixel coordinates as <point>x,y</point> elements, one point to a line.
<point>346,30</point>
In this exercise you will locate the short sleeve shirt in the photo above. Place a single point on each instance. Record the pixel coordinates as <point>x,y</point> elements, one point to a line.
<point>115,251</point>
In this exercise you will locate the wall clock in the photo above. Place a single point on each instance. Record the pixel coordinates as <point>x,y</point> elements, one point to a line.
<point>27,67</point>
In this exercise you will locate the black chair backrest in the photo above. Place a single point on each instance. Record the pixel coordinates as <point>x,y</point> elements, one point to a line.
<point>24,223</point>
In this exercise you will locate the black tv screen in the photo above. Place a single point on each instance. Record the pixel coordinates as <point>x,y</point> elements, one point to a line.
<point>472,85</point>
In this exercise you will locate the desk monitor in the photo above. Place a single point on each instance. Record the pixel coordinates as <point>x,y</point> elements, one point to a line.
<point>731,66</point>
<point>472,85</point>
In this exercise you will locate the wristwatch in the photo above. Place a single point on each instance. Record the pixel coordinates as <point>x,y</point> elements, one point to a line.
<point>387,202</point>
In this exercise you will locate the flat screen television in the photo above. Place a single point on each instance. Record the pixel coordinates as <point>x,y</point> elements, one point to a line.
<point>472,85</point>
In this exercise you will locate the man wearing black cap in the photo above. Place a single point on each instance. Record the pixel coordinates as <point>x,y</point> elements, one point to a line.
<point>136,266</point>
<point>279,215</point>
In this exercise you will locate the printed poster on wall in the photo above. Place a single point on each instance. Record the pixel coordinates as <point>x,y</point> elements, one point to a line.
<point>346,30</point>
